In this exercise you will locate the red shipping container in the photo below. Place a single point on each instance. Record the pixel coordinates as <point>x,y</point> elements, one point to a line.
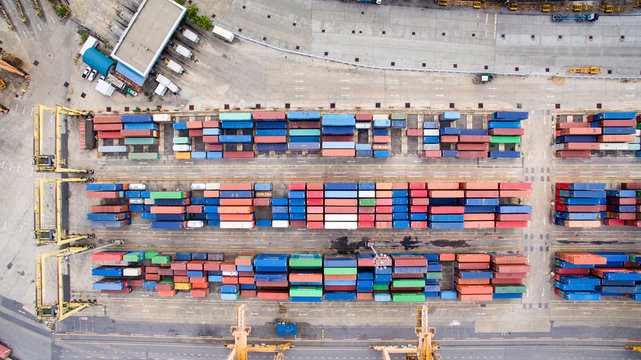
<point>506,132</point>
<point>472,154</point>
<point>314,202</point>
<point>178,265</point>
<point>195,132</point>
<point>211,139</point>
<point>120,208</point>
<point>165,271</point>
<point>473,265</point>
<point>432,153</point>
<point>384,209</point>
<point>139,133</point>
<point>580,146</point>
<point>479,217</point>
<point>514,193</point>
<point>201,293</point>
<point>384,202</point>
<point>363,117</point>
<point>366,217</point>
<point>617,201</point>
<point>478,224</point>
<point>471,281</point>
<point>181,279</point>
<point>418,224</point>
<point>236,186</point>
<point>474,289</point>
<point>273,295</point>
<point>417,186</point>
<point>513,217</point>
<point>447,257</point>
<point>109,135</point>
<point>247,293</point>
<point>507,281</point>
<point>107,127</point>
<point>305,277</point>
<point>195,209</point>
<point>236,202</point>
<point>211,266</point>
<point>473,138</point>
<point>194,124</point>
<point>381,139</point>
<point>230,280</point>
<point>304,124</point>
<point>268,115</point>
<point>512,268</point>
<point>618,122</point>
<point>414,132</point>
<point>409,260</point>
<point>443,186</point>
<point>315,194</point>
<point>245,279</point>
<point>510,224</point>
<point>515,186</point>
<point>270,139</point>
<point>580,131</point>
<point>315,209</point>
<point>167,209</point>
<point>314,224</point>
<point>573,153</point>
<point>338,152</point>
<point>568,125</point>
<point>341,209</point>
<point>420,201</point>
<point>473,147</point>
<point>472,258</point>
<point>447,209</point>
<point>298,223</point>
<point>213,147</point>
<point>340,288</point>
<point>449,138</point>
<point>631,186</point>
<point>166,293</point>
<point>108,256</point>
<point>152,269</point>
<point>383,217</point>
<point>481,193</point>
<point>365,224</point>
<point>383,224</point>
<point>211,124</point>
<point>418,209</point>
<point>366,210</point>
<point>152,277</point>
<point>616,138</point>
<point>508,259</point>
<point>338,137</point>
<point>262,201</point>
<point>238,154</point>
<point>340,277</point>
<point>107,119</point>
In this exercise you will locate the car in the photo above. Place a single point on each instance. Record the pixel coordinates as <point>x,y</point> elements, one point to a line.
<point>86,72</point>
<point>92,75</point>
<point>102,77</point>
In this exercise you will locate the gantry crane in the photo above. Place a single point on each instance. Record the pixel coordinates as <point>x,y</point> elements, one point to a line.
<point>241,331</point>
<point>56,162</point>
<point>5,65</point>
<point>58,310</point>
<point>425,349</point>
<point>58,235</point>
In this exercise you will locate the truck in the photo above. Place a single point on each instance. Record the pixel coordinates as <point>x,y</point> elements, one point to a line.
<point>377,2</point>
<point>163,80</point>
<point>191,35</point>
<point>183,51</point>
<point>176,67</point>
<point>579,18</point>
<point>223,34</point>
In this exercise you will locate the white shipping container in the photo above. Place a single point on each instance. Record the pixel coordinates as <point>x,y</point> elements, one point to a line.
<point>131,272</point>
<point>638,132</point>
<point>224,34</point>
<point>149,201</point>
<point>280,223</point>
<point>195,223</point>
<point>191,35</point>
<point>136,201</point>
<point>112,148</point>
<point>613,146</point>
<point>181,147</point>
<point>380,117</point>
<point>430,132</point>
<point>173,88</point>
<point>138,187</point>
<point>341,217</point>
<point>558,147</point>
<point>366,193</point>
<point>198,186</point>
<point>162,79</point>
<point>363,125</point>
<point>230,273</point>
<point>212,186</point>
<point>431,147</point>
<point>161,117</point>
<point>236,224</point>
<point>341,225</point>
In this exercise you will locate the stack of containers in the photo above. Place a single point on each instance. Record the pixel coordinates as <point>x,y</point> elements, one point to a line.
<point>400,205</point>
<point>449,134</point>
<point>140,130</point>
<point>211,203</point>
<point>306,278</point>
<point>304,130</point>
<point>408,284</point>
<point>271,276</point>
<point>473,276</point>
<point>109,127</point>
<point>196,208</point>
<point>618,130</point>
<point>181,144</point>
<point>384,207</point>
<point>263,194</point>
<point>112,215</point>
<point>364,123</point>
<point>339,277</point>
<point>315,205</point>
<point>502,123</point>
<point>621,207</point>
<point>116,274</point>
<point>638,140</point>
<point>480,202</point>
<point>366,205</point>
<point>381,138</point>
<point>297,208</point>
<point>280,212</point>
<point>510,215</point>
<point>229,289</point>
<point>246,275</point>
<point>431,139</point>
<point>473,143</point>
<point>509,271</point>
<point>195,131</point>
<point>197,276</point>
<point>213,268</point>
<point>338,135</point>
<point>271,131</point>
<point>418,198</point>
<point>341,206</point>
<point>237,129</point>
<point>637,187</point>
<point>161,264</point>
<point>447,294</point>
<point>432,276</point>
<point>365,276</point>
<point>211,138</point>
<point>237,206</point>
<point>168,210</point>
<point>580,204</point>
<point>576,139</point>
<point>398,120</point>
<point>444,211</point>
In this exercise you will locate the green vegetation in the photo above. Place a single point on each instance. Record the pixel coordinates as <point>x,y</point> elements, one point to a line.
<point>84,37</point>
<point>181,2</point>
<point>200,20</point>
<point>62,11</point>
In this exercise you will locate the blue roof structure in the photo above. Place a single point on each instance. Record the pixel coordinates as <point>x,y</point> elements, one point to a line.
<point>97,60</point>
<point>130,74</point>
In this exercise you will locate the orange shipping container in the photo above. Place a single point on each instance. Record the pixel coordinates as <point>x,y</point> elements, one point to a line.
<point>167,209</point>
<point>443,186</point>
<point>211,193</point>
<point>230,280</point>
<point>514,193</point>
<point>446,257</point>
<point>166,293</point>
<point>236,186</point>
<point>383,194</point>
<point>341,202</point>
<point>512,268</point>
<point>480,186</point>
<point>315,217</point>
<point>447,193</point>
<point>460,281</point>
<point>383,186</point>
<point>508,259</point>
<point>487,297</point>
<point>338,152</point>
<point>236,217</point>
<point>474,289</point>
<point>236,202</point>
<point>302,277</point>
<point>236,209</point>
<point>315,186</point>
<point>472,257</point>
<point>478,217</point>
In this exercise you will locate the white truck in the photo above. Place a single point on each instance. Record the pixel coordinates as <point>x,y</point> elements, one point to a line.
<point>183,51</point>
<point>176,67</point>
<point>191,35</point>
<point>223,34</point>
<point>163,80</point>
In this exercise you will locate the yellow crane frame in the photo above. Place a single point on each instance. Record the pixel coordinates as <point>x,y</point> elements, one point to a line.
<point>52,163</point>
<point>58,310</point>
<point>239,348</point>
<point>58,236</point>
<point>426,350</point>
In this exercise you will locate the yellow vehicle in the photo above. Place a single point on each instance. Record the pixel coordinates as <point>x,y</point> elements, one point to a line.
<point>586,70</point>
<point>607,8</point>
<point>442,2</point>
<point>546,8</point>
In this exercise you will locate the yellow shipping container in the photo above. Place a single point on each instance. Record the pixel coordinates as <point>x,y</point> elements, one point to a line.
<point>182,286</point>
<point>183,155</point>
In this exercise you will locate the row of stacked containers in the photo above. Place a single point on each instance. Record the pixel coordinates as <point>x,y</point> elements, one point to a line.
<point>599,133</point>
<point>417,205</point>
<point>580,276</point>
<point>593,205</point>
<point>242,135</point>
<point>315,277</point>
<point>444,139</point>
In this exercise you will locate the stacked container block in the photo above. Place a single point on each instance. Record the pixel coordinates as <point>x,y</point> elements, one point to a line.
<point>624,206</point>
<point>304,131</point>
<point>509,272</point>
<point>236,135</point>
<point>580,204</point>
<point>400,205</point>
<point>366,205</point>
<point>297,208</point>
<point>408,278</point>
<point>341,206</point>
<point>381,139</point>
<point>363,126</point>
<point>306,278</point>
<point>338,135</point>
<point>271,131</point>
<point>339,277</point>
<point>237,210</point>
<point>114,214</point>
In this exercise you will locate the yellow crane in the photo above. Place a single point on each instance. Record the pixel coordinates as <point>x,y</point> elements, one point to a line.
<point>9,23</point>
<point>426,350</point>
<point>241,331</point>
<point>58,235</point>
<point>54,163</point>
<point>19,5</point>
<point>58,310</point>
<point>36,7</point>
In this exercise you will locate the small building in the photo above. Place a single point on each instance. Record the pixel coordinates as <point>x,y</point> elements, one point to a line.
<point>97,60</point>
<point>105,88</point>
<point>90,43</point>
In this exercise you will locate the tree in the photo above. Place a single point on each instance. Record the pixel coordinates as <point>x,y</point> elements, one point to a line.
<point>192,12</point>
<point>203,21</point>
<point>62,11</point>
<point>84,37</point>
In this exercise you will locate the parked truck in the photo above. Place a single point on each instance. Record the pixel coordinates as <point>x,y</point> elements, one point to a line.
<point>163,80</point>
<point>578,18</point>
<point>174,66</point>
<point>183,51</point>
<point>191,35</point>
<point>223,34</point>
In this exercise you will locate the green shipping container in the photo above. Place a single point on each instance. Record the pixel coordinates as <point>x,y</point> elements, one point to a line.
<point>306,291</point>
<point>168,195</point>
<point>151,254</point>
<point>378,287</point>
<point>408,283</point>
<point>235,116</point>
<point>339,271</point>
<point>143,156</point>
<point>131,257</point>
<point>504,289</point>
<point>420,297</point>
<point>304,132</point>
<point>434,275</point>
<point>397,116</point>
<point>161,259</point>
<point>141,141</point>
<point>305,261</point>
<point>366,202</point>
<point>505,140</point>
<point>182,140</point>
